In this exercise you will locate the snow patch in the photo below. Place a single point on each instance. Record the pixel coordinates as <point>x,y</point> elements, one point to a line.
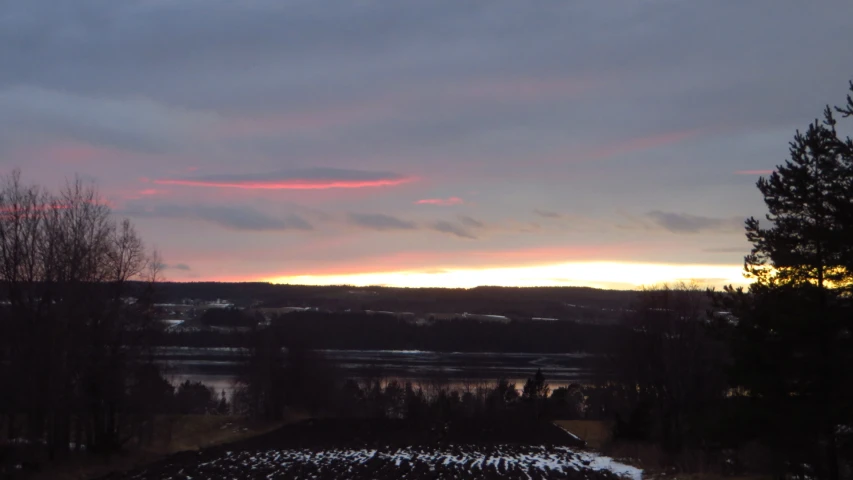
<point>459,459</point>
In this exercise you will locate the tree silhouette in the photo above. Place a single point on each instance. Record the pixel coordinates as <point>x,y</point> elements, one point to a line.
<point>792,339</point>
<point>807,198</point>
<point>536,388</point>
<point>69,333</point>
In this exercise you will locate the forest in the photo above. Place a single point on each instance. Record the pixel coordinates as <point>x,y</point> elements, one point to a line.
<point>360,331</point>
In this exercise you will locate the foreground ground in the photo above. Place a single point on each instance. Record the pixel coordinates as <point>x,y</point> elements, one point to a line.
<point>354,449</point>
<point>173,434</point>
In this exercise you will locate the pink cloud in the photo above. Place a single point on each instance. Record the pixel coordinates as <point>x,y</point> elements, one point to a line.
<point>70,153</point>
<point>147,192</point>
<point>305,179</point>
<point>642,143</point>
<point>306,184</point>
<point>441,201</point>
<point>754,172</point>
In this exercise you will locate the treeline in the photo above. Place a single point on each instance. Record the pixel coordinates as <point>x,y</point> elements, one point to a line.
<point>276,380</point>
<point>360,331</point>
<point>558,302</point>
<point>774,365</point>
<point>70,342</point>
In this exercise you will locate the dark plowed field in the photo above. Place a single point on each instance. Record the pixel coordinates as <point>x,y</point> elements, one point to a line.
<point>357,449</point>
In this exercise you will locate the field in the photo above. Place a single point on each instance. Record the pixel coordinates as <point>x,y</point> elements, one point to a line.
<point>452,461</point>
<point>340,449</point>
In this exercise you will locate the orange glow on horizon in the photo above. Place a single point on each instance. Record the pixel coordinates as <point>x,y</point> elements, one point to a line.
<point>588,274</point>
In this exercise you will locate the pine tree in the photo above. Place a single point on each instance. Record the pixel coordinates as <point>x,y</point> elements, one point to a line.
<point>222,407</point>
<point>792,341</point>
<point>536,388</point>
<point>807,198</point>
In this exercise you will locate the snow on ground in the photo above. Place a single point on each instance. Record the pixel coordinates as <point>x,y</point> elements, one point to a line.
<point>411,462</point>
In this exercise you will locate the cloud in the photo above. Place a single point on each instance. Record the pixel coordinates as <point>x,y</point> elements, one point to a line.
<point>178,266</point>
<point>466,97</point>
<point>378,221</point>
<point>451,228</point>
<point>743,250</point>
<point>445,202</point>
<point>529,89</point>
<point>686,223</point>
<point>639,144</point>
<point>231,217</point>
<point>305,179</point>
<point>471,222</point>
<point>547,213</point>
<point>125,122</point>
<point>316,120</point>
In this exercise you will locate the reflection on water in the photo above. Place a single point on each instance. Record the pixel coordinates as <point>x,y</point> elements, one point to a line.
<point>219,367</point>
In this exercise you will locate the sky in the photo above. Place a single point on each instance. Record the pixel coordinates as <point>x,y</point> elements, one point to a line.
<point>422,143</point>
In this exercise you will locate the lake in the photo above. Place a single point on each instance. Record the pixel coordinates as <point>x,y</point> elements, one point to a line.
<point>219,367</point>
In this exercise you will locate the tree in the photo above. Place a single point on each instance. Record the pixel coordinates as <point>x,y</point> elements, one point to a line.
<point>535,392</point>
<point>195,398</point>
<point>65,267</point>
<point>222,407</point>
<point>792,338</point>
<point>264,389</point>
<point>808,198</point>
<point>567,403</point>
<point>536,387</point>
<point>416,404</point>
<point>672,368</point>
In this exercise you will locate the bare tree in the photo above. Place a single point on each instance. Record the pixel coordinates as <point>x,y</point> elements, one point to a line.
<point>672,362</point>
<point>65,264</point>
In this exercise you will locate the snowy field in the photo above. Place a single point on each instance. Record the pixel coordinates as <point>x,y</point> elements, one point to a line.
<point>497,461</point>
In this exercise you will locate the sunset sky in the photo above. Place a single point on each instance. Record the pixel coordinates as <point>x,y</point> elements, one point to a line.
<point>422,143</point>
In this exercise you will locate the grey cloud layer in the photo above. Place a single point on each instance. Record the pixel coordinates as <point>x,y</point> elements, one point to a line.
<point>178,266</point>
<point>547,213</point>
<point>502,98</point>
<point>236,218</point>
<point>686,223</point>
<point>451,228</point>
<point>127,123</point>
<point>240,58</point>
<point>378,221</point>
<point>382,222</point>
<point>471,222</point>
